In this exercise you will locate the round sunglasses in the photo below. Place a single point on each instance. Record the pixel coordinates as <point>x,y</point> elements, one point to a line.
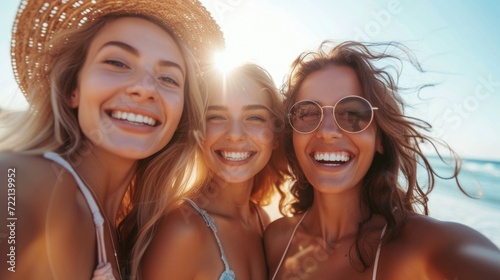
<point>352,114</point>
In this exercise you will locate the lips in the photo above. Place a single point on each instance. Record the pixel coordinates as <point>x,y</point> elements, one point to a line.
<point>134,118</point>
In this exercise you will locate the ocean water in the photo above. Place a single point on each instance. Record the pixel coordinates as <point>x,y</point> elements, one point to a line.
<point>448,203</point>
<point>480,179</point>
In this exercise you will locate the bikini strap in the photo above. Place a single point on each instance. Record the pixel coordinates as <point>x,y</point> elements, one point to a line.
<point>288,245</point>
<point>259,215</point>
<point>209,221</point>
<point>377,256</point>
<point>96,214</point>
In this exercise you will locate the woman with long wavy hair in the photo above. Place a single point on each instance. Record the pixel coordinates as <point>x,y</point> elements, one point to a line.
<point>115,101</point>
<point>354,155</point>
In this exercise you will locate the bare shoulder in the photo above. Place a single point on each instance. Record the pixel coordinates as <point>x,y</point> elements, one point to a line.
<point>453,250</point>
<point>184,222</point>
<point>31,166</point>
<point>49,218</point>
<point>279,227</point>
<point>32,179</point>
<point>178,246</point>
<point>444,233</point>
<point>276,237</point>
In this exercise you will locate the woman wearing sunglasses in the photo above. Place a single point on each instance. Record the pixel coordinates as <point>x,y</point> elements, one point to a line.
<point>354,155</point>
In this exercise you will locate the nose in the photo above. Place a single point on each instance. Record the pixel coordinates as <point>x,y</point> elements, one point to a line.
<point>235,131</point>
<point>143,87</point>
<point>328,128</point>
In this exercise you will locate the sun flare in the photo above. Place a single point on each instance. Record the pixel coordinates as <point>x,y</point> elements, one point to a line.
<point>226,60</point>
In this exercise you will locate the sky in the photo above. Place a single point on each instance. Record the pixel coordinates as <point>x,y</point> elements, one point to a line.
<point>456,42</point>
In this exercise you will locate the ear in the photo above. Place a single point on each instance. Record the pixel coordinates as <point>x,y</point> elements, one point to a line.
<point>74,98</point>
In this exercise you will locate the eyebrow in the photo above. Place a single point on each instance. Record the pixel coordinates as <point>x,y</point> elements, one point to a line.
<point>128,48</point>
<point>245,108</point>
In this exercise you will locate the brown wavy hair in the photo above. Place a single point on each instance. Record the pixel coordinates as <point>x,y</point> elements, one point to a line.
<point>390,186</point>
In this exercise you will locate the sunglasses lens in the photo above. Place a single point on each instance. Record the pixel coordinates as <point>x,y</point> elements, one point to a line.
<point>353,114</point>
<point>305,116</point>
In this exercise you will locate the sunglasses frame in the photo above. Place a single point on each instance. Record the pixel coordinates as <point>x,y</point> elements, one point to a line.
<point>333,114</point>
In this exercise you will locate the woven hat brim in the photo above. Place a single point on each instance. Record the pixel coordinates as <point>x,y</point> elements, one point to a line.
<point>38,20</point>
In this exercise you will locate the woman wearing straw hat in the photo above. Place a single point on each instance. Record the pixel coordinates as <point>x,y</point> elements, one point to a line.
<point>115,101</point>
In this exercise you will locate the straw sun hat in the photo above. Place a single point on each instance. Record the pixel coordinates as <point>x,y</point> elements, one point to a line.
<point>38,20</point>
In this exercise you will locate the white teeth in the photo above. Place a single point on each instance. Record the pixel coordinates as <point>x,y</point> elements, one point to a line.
<point>339,156</point>
<point>235,156</point>
<point>134,118</point>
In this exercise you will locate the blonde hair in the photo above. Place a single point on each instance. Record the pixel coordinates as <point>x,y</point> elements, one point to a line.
<point>51,125</point>
<point>272,177</point>
<point>163,178</point>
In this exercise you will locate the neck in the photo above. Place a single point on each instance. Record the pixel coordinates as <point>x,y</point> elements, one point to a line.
<point>229,199</point>
<point>334,217</point>
<point>108,178</point>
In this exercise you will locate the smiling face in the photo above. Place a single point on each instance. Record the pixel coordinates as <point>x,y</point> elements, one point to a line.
<point>239,137</point>
<point>334,160</point>
<point>130,91</point>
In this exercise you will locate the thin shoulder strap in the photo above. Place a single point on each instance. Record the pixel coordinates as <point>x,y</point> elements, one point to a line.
<point>289,242</point>
<point>96,214</point>
<point>377,256</point>
<point>209,221</point>
<point>261,220</point>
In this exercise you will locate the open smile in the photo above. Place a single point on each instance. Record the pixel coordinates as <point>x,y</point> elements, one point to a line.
<point>133,118</point>
<point>235,156</point>
<point>331,158</point>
